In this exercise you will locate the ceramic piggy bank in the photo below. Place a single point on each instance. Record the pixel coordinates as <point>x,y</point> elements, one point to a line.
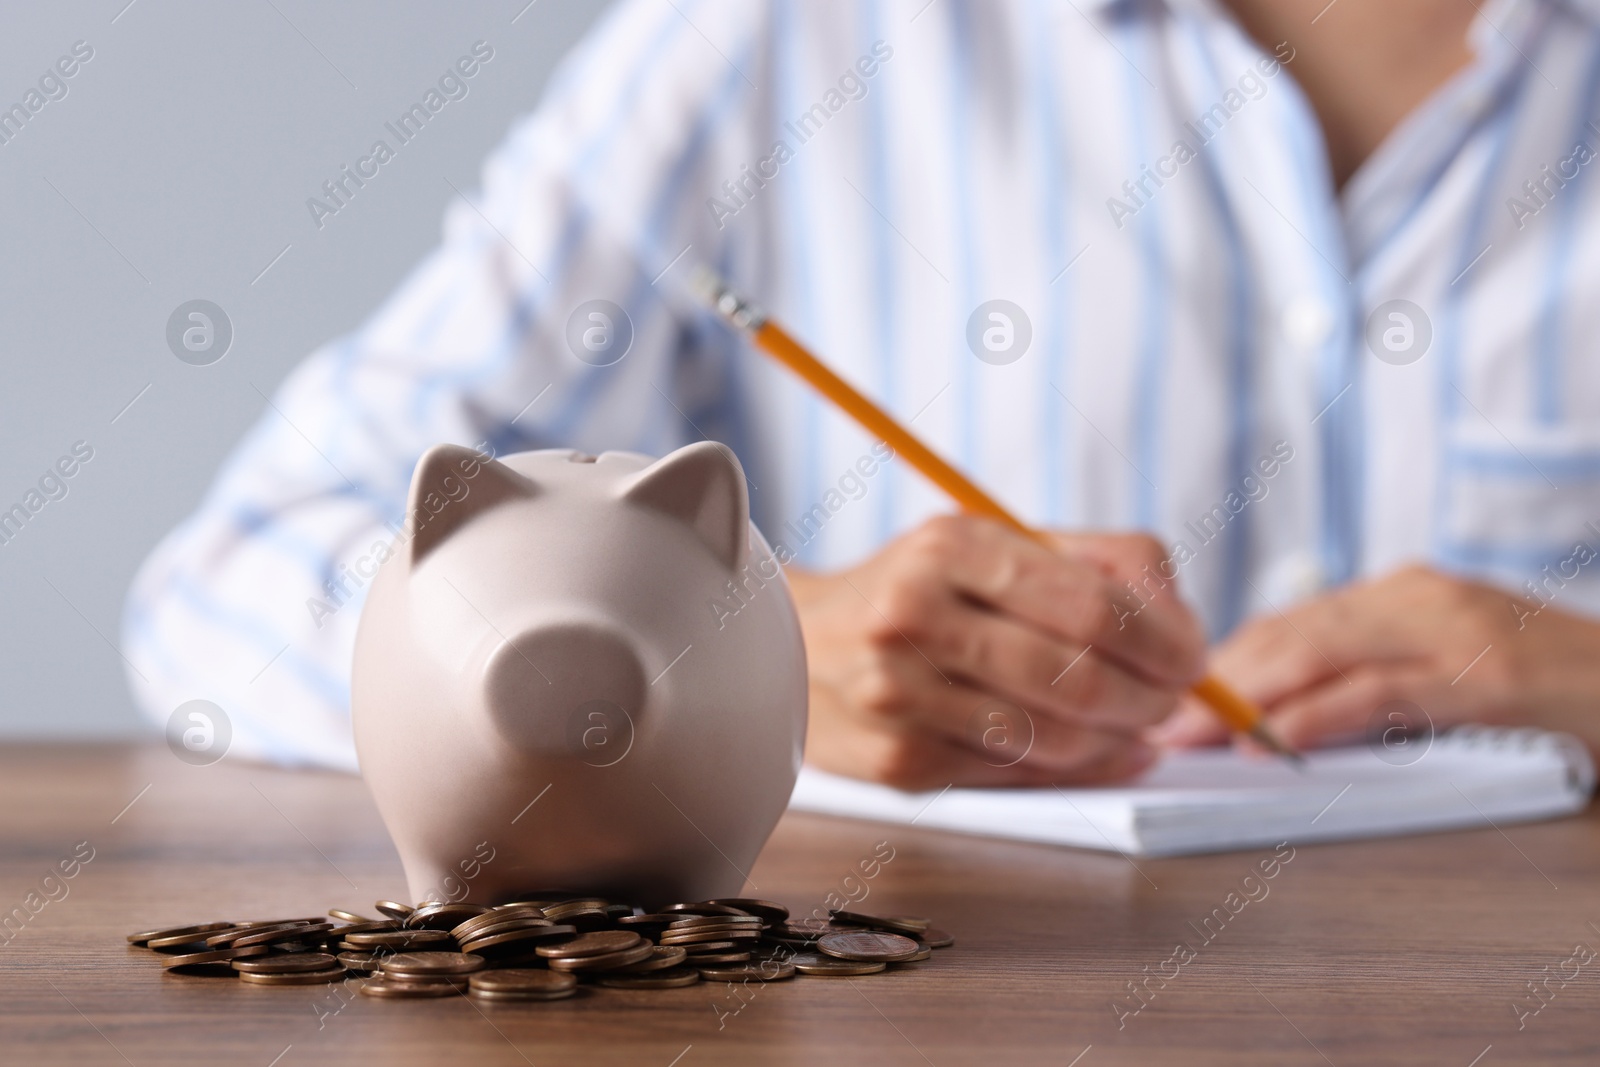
<point>582,673</point>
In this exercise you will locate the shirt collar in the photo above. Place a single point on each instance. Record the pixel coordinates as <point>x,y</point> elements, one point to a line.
<point>1588,9</point>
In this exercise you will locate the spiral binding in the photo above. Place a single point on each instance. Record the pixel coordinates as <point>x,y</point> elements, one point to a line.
<point>1526,739</point>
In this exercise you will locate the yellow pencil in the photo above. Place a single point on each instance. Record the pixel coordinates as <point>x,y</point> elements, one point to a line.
<point>1240,714</point>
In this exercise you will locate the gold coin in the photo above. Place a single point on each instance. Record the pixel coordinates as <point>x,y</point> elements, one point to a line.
<point>347,916</point>
<point>368,927</point>
<point>709,933</point>
<point>695,937</point>
<point>773,970</point>
<point>464,933</point>
<point>454,981</point>
<point>518,998</point>
<point>584,919</point>
<point>497,916</point>
<point>182,942</point>
<point>697,959</point>
<point>933,937</point>
<point>247,930</point>
<point>398,939</point>
<point>430,963</point>
<point>671,979</point>
<point>924,953</point>
<point>525,982</point>
<point>868,945</point>
<point>741,944</point>
<point>394,909</point>
<point>322,977</point>
<point>285,963</point>
<point>716,922</point>
<point>909,925</point>
<point>274,935</point>
<point>218,961</point>
<point>514,940</point>
<point>186,934</point>
<point>262,924</point>
<point>650,924</point>
<point>696,922</point>
<point>577,904</point>
<point>658,960</point>
<point>597,943</point>
<point>793,944</point>
<point>749,972</point>
<point>703,908</point>
<point>585,914</point>
<point>814,963</point>
<point>360,962</point>
<point>385,987</point>
<point>606,962</point>
<point>442,916</point>
<point>765,909</point>
<point>803,930</point>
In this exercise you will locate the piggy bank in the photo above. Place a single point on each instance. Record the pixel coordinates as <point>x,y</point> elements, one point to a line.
<point>580,673</point>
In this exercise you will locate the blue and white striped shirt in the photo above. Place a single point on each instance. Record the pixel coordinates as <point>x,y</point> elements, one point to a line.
<point>1204,315</point>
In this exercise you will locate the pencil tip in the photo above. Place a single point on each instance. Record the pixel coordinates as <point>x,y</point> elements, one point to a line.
<point>718,295</point>
<point>706,284</point>
<point>1270,741</point>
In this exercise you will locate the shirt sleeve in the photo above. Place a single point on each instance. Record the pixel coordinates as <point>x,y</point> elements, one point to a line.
<point>252,602</point>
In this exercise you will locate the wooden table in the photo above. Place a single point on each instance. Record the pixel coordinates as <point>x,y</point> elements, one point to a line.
<point>1388,952</point>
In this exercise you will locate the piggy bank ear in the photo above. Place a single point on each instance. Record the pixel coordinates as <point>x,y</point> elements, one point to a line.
<point>702,486</point>
<point>451,486</point>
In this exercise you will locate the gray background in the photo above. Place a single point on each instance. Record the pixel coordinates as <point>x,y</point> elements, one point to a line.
<point>177,167</point>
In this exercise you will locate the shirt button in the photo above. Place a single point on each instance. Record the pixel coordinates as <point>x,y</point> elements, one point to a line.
<point>1294,578</point>
<point>1306,321</point>
<point>1304,576</point>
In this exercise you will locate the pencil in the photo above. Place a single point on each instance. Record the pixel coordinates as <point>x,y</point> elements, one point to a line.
<point>1240,714</point>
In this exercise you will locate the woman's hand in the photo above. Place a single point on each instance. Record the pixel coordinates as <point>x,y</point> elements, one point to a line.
<point>1459,650</point>
<point>966,653</point>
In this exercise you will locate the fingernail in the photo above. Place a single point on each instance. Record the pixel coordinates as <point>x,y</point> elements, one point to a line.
<point>1176,731</point>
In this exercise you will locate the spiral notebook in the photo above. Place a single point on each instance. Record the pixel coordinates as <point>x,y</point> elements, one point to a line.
<point>1214,800</point>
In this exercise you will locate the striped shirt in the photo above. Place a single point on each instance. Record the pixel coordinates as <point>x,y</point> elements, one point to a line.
<point>1197,334</point>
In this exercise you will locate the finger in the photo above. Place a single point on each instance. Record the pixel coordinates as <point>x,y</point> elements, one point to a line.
<point>1003,656</point>
<point>1073,599</point>
<point>918,761</point>
<point>1340,711</point>
<point>1274,656</point>
<point>1193,725</point>
<point>1119,765</point>
<point>1144,576</point>
<point>1127,557</point>
<point>905,694</point>
<point>1392,619</point>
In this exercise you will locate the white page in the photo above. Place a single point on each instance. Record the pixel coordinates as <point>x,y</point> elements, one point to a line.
<point>1215,799</point>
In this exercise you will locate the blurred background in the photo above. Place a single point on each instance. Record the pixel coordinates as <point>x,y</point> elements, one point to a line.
<point>174,165</point>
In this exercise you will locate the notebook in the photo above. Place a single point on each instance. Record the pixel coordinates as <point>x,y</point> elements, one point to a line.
<point>1214,800</point>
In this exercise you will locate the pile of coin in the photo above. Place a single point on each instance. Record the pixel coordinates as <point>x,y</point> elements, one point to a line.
<point>545,947</point>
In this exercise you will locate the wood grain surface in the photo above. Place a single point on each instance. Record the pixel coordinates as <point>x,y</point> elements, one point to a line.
<point>1406,951</point>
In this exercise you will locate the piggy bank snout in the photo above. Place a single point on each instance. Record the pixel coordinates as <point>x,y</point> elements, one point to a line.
<point>568,689</point>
